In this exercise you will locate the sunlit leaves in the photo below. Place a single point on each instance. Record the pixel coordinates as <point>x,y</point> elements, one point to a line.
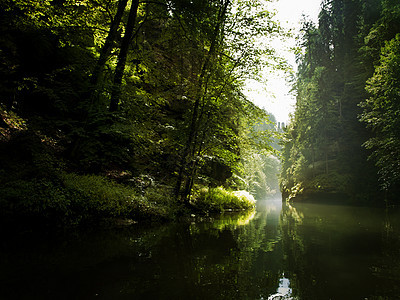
<point>382,113</point>
<point>182,53</point>
<point>250,28</point>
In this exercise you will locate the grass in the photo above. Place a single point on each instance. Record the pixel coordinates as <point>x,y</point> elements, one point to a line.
<point>73,199</point>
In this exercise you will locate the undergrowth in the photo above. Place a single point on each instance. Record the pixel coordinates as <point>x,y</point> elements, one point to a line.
<point>73,199</point>
<point>36,186</point>
<point>219,199</point>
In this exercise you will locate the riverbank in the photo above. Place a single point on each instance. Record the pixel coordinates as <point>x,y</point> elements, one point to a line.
<point>70,199</point>
<point>39,184</point>
<point>43,183</point>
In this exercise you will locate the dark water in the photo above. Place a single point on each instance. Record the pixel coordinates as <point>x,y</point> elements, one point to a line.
<point>306,251</point>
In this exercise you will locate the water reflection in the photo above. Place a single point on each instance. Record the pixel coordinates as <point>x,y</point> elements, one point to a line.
<point>333,251</point>
<point>232,219</point>
<point>284,291</point>
<point>303,251</point>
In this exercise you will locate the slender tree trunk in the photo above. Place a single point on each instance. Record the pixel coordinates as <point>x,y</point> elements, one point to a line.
<point>189,183</point>
<point>188,150</point>
<point>107,47</point>
<point>193,167</point>
<point>119,70</point>
<point>313,161</point>
<point>326,162</point>
<point>92,93</point>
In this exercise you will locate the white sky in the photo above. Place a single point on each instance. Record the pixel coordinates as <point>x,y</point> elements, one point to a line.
<point>274,97</point>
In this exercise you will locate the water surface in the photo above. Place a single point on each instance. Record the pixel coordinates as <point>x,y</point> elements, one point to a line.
<point>306,251</point>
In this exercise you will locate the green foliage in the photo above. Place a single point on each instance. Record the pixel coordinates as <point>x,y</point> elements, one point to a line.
<point>34,185</point>
<point>180,113</point>
<point>219,199</point>
<point>257,174</point>
<point>333,182</point>
<point>323,144</point>
<point>81,198</point>
<point>96,196</point>
<point>35,197</point>
<point>381,114</point>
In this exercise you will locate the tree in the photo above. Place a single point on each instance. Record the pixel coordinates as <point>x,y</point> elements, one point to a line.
<point>123,53</point>
<point>134,89</point>
<point>326,136</point>
<point>233,55</point>
<point>381,114</point>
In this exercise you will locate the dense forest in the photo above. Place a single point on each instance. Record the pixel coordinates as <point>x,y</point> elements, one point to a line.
<point>133,109</point>
<point>344,135</point>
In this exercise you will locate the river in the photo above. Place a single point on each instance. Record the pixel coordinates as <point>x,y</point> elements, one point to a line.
<point>303,251</point>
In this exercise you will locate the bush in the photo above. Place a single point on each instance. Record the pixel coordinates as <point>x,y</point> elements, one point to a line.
<point>96,196</point>
<point>332,182</point>
<point>71,198</point>
<point>35,197</point>
<point>220,199</point>
<point>161,200</point>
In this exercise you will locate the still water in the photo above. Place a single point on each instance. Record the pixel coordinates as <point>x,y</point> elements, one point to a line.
<point>305,251</point>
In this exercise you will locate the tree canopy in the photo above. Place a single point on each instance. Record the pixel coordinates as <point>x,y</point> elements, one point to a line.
<point>342,80</point>
<point>134,91</point>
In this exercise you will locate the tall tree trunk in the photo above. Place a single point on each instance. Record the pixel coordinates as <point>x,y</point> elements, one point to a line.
<point>123,53</point>
<point>326,162</point>
<point>92,93</point>
<point>313,161</point>
<point>193,168</point>
<point>110,39</point>
<point>189,151</point>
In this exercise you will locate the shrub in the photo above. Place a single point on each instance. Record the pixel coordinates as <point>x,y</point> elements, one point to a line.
<point>97,196</point>
<point>35,197</point>
<point>71,198</point>
<point>219,199</point>
<point>332,182</point>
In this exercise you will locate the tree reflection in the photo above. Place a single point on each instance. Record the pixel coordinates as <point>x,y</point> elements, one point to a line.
<point>340,252</point>
<point>228,258</point>
<point>305,251</point>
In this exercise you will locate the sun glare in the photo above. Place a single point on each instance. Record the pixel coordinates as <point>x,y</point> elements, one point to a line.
<point>275,95</point>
